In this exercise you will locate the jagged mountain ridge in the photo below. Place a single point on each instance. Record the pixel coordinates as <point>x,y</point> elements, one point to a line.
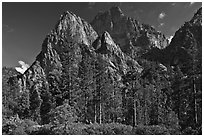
<point>69,34</point>
<point>132,37</point>
<point>66,33</point>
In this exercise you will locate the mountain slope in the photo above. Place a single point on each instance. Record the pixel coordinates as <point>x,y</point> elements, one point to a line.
<point>186,45</point>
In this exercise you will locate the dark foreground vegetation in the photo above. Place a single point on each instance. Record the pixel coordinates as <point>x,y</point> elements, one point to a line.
<point>64,120</point>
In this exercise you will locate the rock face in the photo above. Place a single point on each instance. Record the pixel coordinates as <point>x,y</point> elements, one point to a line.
<point>69,33</point>
<point>132,37</point>
<point>112,53</point>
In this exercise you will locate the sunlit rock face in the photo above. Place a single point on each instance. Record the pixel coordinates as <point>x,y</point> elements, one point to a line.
<point>112,53</point>
<point>128,33</point>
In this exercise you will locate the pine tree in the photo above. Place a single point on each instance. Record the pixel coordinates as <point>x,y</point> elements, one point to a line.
<point>86,92</point>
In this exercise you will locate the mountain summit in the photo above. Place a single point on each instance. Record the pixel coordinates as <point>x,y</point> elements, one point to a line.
<point>128,32</point>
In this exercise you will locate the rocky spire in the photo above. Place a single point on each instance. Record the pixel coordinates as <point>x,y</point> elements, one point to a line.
<point>112,54</point>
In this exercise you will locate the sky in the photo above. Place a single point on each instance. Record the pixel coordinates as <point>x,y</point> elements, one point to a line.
<point>25,25</point>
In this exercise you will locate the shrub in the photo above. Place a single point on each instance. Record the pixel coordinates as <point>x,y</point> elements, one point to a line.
<point>7,129</point>
<point>16,126</point>
<point>12,126</point>
<point>120,129</point>
<point>93,129</point>
<point>108,129</point>
<point>159,130</point>
<point>69,129</point>
<point>76,129</point>
<point>140,130</point>
<point>63,114</point>
<point>150,130</point>
<point>18,131</point>
<point>172,123</point>
<point>174,131</point>
<point>189,131</point>
<point>41,130</point>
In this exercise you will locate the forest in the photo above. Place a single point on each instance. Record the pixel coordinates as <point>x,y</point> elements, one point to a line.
<point>91,86</point>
